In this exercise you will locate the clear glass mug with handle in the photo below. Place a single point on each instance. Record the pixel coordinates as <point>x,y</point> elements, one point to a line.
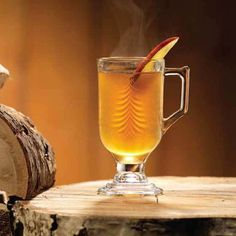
<point>131,122</point>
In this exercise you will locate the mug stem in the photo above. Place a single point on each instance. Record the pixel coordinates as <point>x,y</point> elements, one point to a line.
<point>130,173</point>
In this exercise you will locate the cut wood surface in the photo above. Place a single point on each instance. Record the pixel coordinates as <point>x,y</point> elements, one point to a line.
<point>189,206</point>
<point>27,163</point>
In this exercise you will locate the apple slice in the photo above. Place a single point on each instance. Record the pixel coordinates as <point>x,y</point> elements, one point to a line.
<point>158,52</point>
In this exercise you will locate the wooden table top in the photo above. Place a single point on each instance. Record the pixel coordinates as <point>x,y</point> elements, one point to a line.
<point>184,197</point>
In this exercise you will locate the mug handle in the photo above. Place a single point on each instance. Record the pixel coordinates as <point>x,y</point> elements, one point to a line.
<point>183,73</point>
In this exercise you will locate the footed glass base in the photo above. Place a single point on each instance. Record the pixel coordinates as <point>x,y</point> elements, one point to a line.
<point>130,180</point>
<point>121,189</point>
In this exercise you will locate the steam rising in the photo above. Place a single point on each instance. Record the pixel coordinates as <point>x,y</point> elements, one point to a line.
<point>131,23</point>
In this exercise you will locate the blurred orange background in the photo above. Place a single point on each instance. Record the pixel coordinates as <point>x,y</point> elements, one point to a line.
<point>51,47</point>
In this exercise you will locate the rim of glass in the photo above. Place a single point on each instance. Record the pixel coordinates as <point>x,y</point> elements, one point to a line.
<point>127,59</point>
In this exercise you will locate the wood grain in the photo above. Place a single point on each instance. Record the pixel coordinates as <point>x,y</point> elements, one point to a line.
<point>187,203</point>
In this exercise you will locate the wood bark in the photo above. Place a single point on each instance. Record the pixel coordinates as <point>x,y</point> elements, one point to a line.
<point>5,225</point>
<point>189,206</point>
<point>27,163</point>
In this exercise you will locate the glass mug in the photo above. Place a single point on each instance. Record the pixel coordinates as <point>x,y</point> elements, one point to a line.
<point>131,122</point>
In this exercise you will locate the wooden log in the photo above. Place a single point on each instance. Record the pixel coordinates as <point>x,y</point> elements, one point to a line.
<point>27,163</point>
<point>27,159</point>
<point>189,206</point>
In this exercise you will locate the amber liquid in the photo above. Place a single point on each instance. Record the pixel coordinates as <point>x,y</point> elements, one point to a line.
<point>130,115</point>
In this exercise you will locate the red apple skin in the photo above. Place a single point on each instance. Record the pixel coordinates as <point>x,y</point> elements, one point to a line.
<point>150,55</point>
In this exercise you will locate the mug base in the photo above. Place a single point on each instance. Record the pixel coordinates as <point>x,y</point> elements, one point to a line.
<point>136,189</point>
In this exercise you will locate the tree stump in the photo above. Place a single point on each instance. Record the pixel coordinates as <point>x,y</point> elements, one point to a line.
<point>189,206</point>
